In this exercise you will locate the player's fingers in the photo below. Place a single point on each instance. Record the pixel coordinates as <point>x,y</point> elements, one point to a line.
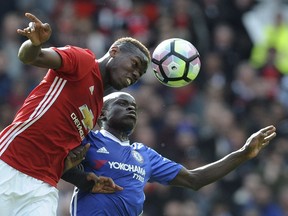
<point>21,32</point>
<point>81,151</point>
<point>72,156</point>
<point>270,137</point>
<point>116,188</point>
<point>269,129</point>
<point>32,26</point>
<point>107,181</point>
<point>46,26</point>
<point>105,188</point>
<point>86,148</point>
<point>265,144</point>
<point>26,31</point>
<point>269,132</point>
<point>106,191</point>
<point>32,17</point>
<point>110,182</point>
<point>100,189</point>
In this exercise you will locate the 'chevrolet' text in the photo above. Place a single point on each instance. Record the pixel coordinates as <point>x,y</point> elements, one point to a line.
<point>78,125</point>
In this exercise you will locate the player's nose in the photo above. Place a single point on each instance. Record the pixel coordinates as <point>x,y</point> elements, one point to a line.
<point>131,108</point>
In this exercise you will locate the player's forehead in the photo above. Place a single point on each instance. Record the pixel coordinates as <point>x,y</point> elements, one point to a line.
<point>139,54</point>
<point>136,54</point>
<point>134,49</point>
<point>119,96</point>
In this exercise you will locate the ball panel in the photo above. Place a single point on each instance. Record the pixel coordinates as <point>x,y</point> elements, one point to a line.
<point>176,84</point>
<point>194,68</point>
<point>174,66</point>
<point>158,75</point>
<point>185,48</point>
<point>163,49</point>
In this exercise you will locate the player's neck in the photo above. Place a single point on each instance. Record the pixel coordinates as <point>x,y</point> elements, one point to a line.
<point>102,62</point>
<point>121,135</point>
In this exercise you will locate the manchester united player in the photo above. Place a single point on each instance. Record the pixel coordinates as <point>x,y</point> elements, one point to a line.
<point>57,115</point>
<point>132,165</point>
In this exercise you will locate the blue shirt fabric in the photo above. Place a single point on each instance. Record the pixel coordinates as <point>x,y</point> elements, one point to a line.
<point>130,166</point>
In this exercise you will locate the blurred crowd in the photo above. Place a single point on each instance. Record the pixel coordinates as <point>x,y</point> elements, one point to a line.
<point>242,86</point>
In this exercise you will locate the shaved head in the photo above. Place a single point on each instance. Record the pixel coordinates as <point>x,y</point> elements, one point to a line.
<point>111,102</point>
<point>116,95</point>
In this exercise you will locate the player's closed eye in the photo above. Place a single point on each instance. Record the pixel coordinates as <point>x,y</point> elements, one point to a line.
<point>122,103</point>
<point>134,64</point>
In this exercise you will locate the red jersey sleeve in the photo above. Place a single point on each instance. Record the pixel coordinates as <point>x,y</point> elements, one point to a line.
<point>76,62</point>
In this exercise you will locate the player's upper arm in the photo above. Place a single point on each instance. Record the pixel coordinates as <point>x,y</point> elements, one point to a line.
<point>184,179</point>
<point>48,58</point>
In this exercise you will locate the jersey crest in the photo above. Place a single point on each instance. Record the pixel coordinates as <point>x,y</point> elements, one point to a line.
<point>88,117</point>
<point>137,156</point>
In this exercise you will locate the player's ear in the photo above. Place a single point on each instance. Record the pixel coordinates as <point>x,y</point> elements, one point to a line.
<point>113,50</point>
<point>102,119</point>
<point>102,116</point>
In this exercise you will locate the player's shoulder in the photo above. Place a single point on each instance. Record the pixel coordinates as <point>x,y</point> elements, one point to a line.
<point>74,49</point>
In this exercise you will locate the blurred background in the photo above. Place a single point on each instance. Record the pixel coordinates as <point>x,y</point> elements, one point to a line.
<point>242,86</point>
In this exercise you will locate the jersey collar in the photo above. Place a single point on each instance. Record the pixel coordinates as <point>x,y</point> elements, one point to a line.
<point>111,136</point>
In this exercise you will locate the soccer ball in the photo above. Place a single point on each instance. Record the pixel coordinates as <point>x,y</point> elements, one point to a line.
<point>175,62</point>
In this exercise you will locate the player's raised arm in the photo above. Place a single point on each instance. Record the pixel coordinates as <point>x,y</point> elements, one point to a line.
<point>199,177</point>
<point>31,51</point>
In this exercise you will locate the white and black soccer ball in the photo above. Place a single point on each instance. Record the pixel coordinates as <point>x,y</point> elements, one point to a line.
<point>175,62</point>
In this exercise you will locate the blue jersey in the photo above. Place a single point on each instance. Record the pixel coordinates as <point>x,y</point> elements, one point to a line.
<point>130,166</point>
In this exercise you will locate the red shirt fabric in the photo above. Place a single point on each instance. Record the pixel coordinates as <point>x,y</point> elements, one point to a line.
<point>55,117</point>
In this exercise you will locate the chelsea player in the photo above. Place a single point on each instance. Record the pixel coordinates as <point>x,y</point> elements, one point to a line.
<point>133,165</point>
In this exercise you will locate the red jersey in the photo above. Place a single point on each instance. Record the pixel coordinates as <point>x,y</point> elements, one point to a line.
<point>55,117</point>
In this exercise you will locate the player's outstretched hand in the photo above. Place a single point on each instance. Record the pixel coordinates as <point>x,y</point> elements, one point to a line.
<point>103,184</point>
<point>37,31</point>
<point>75,156</point>
<point>258,140</point>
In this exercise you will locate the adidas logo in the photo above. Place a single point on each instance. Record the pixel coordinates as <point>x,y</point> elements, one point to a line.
<point>102,150</point>
<point>91,88</point>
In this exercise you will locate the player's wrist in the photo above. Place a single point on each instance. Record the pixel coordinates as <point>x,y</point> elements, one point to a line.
<point>35,44</point>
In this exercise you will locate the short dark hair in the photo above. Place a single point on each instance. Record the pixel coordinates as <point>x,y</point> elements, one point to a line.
<point>129,43</point>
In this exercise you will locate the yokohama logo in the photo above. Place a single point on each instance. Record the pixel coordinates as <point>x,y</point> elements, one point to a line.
<point>127,167</point>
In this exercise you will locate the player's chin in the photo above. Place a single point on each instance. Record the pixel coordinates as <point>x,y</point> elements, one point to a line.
<point>118,85</point>
<point>129,124</point>
<point>132,119</point>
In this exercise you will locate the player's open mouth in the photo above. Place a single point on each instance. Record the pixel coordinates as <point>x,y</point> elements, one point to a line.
<point>128,81</point>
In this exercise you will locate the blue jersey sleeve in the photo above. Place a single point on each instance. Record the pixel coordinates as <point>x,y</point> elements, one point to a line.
<point>163,170</point>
